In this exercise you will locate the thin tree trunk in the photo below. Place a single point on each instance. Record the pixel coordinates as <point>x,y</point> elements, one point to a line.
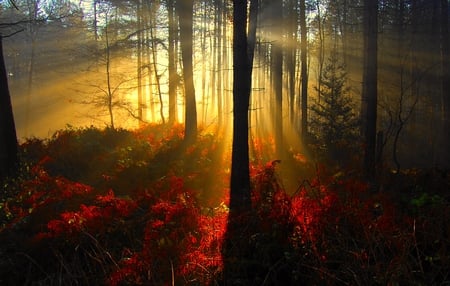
<point>155,70</point>
<point>214,57</point>
<point>185,13</point>
<point>173,81</point>
<point>139,60</point>
<point>321,33</point>
<point>369,95</point>
<point>304,71</point>
<point>95,21</point>
<point>205,97</point>
<point>108,79</point>
<point>291,51</point>
<point>220,63</point>
<point>8,136</point>
<point>277,73</point>
<point>445,62</point>
<point>225,65</point>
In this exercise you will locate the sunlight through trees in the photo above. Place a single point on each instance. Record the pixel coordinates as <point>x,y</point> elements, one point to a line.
<point>218,142</point>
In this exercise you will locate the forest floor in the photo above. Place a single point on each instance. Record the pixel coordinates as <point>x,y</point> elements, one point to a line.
<point>99,206</point>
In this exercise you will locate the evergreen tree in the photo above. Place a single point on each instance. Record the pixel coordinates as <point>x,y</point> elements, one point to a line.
<point>335,123</point>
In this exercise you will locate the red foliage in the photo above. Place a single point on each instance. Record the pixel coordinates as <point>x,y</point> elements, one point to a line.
<point>41,192</point>
<point>176,233</point>
<point>332,224</point>
<point>91,219</point>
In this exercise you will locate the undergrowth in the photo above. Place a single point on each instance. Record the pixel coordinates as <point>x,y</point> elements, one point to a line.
<point>119,207</point>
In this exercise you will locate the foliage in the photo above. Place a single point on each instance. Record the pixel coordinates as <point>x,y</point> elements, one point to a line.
<point>335,124</point>
<point>142,216</point>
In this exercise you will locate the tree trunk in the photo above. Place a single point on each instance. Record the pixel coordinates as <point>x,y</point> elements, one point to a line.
<point>155,70</point>
<point>236,251</point>
<point>8,137</point>
<point>173,79</point>
<point>277,72</point>
<point>291,51</point>
<point>139,62</point>
<point>304,71</point>
<point>369,93</point>
<point>220,63</point>
<point>240,174</point>
<point>445,60</point>
<point>203,36</point>
<point>109,90</point>
<point>185,13</point>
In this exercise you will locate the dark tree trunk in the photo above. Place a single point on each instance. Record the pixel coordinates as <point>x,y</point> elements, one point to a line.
<point>304,69</point>
<point>236,249</point>
<point>185,13</point>
<point>369,93</point>
<point>218,48</point>
<point>445,59</point>
<point>173,79</point>
<point>139,62</point>
<point>240,174</point>
<point>291,51</point>
<point>8,137</point>
<point>277,72</point>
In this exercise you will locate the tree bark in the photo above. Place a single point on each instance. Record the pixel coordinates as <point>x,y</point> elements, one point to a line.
<point>185,13</point>
<point>8,136</point>
<point>173,79</point>
<point>369,93</point>
<point>291,51</point>
<point>277,72</point>
<point>445,60</point>
<point>236,250</point>
<point>139,61</point>
<point>304,69</point>
<point>240,173</point>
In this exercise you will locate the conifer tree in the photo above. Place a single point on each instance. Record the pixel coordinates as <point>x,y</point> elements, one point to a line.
<point>335,123</point>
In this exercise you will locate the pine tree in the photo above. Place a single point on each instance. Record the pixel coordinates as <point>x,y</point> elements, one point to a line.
<point>335,123</point>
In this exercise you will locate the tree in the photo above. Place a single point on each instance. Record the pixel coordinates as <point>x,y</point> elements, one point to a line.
<point>242,72</point>
<point>236,245</point>
<point>106,94</point>
<point>445,63</point>
<point>185,13</point>
<point>336,123</point>
<point>369,93</point>
<point>277,71</point>
<point>173,78</point>
<point>291,51</point>
<point>155,64</point>
<point>8,137</point>
<point>304,71</point>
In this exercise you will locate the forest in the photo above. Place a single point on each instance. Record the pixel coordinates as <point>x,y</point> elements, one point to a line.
<point>224,142</point>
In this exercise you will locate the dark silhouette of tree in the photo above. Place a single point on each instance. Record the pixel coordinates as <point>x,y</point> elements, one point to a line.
<point>304,69</point>
<point>240,178</point>
<point>140,58</point>
<point>8,137</point>
<point>369,93</point>
<point>185,13</point>
<point>277,71</point>
<point>335,124</point>
<point>155,67</point>
<point>291,51</point>
<point>445,62</point>
<point>236,246</point>
<point>173,78</point>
